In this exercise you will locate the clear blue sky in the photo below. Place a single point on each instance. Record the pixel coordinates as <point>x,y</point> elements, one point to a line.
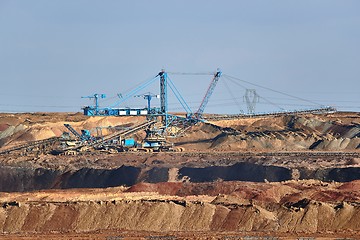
<point>54,52</point>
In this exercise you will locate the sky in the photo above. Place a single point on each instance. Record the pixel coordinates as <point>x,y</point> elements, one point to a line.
<point>54,52</point>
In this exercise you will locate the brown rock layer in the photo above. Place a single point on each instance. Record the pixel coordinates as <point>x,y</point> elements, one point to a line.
<point>155,215</point>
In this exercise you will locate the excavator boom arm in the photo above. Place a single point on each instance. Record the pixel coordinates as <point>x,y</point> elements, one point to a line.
<point>208,94</point>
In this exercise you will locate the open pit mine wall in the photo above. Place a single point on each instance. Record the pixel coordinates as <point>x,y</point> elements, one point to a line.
<point>18,179</point>
<point>168,215</point>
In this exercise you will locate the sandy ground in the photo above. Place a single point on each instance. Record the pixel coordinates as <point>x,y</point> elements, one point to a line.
<point>179,208</point>
<point>222,210</point>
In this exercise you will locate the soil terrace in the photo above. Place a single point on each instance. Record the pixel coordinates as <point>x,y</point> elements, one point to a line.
<point>282,176</point>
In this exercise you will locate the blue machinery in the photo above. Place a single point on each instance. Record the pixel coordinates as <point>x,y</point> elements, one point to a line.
<point>85,134</point>
<point>152,112</point>
<point>93,111</point>
<point>208,94</point>
<point>162,111</point>
<point>148,96</point>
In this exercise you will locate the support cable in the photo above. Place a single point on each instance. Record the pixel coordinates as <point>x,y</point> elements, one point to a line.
<point>233,97</point>
<point>181,73</point>
<point>266,100</point>
<point>134,91</point>
<point>129,89</point>
<point>273,90</point>
<point>179,96</point>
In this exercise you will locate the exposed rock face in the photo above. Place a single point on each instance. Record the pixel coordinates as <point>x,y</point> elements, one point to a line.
<point>293,207</point>
<point>19,179</point>
<point>304,217</point>
<point>28,179</point>
<point>236,176</point>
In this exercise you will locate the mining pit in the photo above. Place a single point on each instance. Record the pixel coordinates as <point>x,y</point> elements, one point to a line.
<point>276,177</point>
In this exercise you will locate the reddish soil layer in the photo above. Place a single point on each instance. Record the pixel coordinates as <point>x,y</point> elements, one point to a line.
<point>293,208</point>
<point>229,182</point>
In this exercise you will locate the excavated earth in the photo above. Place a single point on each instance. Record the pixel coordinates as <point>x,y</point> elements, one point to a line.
<point>275,177</point>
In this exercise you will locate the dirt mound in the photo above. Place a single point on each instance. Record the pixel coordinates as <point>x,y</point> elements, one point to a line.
<point>37,134</point>
<point>254,124</point>
<point>285,133</point>
<point>289,133</point>
<point>31,127</point>
<point>11,130</point>
<point>111,121</point>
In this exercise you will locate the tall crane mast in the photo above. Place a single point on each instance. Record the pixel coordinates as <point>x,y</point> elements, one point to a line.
<point>94,110</point>
<point>148,96</point>
<point>163,96</point>
<point>208,94</point>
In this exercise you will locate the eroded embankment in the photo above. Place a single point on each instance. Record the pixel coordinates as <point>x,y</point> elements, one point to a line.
<point>174,215</point>
<point>28,179</point>
<point>308,207</point>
